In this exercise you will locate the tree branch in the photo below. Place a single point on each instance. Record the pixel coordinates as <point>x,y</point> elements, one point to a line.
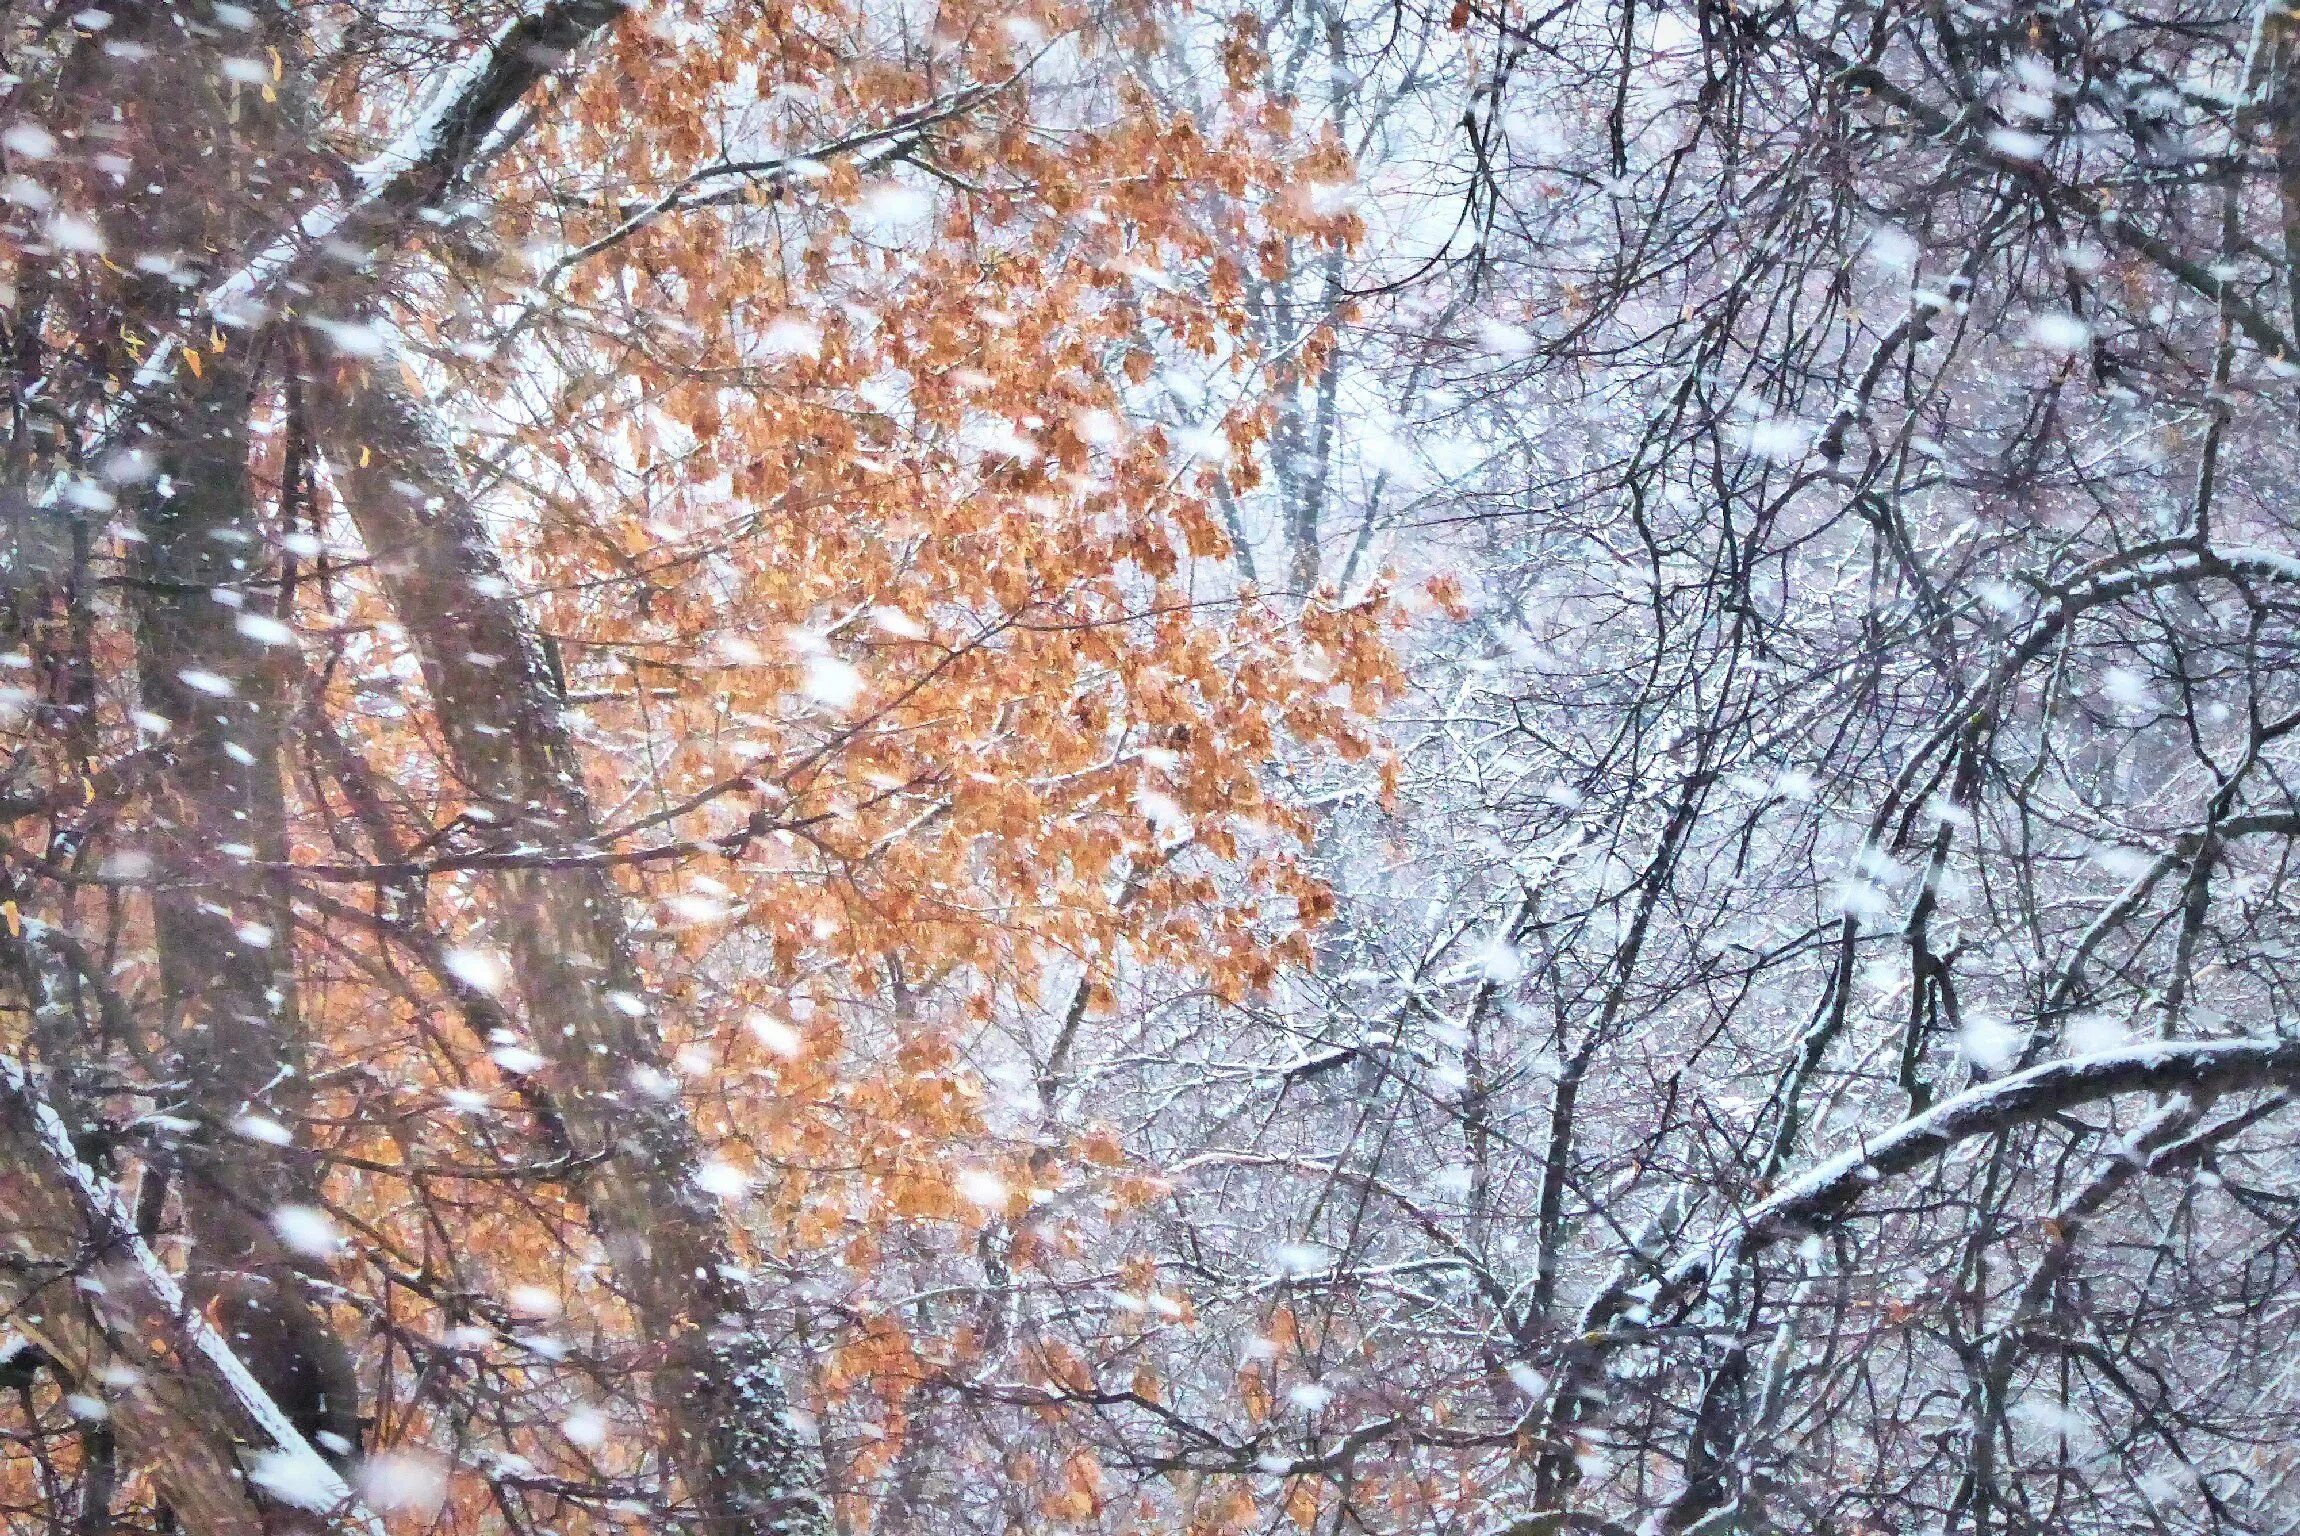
<point>106,1308</point>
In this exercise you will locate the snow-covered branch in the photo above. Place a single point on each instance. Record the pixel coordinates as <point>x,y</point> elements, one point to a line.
<point>462,109</point>
<point>1832,1189</point>
<point>120,1322</point>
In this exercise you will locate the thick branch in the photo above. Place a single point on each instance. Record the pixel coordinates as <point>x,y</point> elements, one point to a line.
<point>94,1296</point>
<point>1830,1191</point>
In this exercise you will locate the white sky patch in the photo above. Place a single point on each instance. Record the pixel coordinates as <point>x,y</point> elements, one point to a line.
<point>1538,133</point>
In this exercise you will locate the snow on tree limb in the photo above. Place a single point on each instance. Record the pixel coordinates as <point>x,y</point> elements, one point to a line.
<point>198,1418</point>
<point>462,108</point>
<point>1831,1189</point>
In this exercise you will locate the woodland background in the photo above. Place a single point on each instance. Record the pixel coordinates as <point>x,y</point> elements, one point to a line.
<point>991,766</point>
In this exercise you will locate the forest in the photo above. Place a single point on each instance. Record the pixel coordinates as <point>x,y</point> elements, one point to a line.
<point>1204,767</point>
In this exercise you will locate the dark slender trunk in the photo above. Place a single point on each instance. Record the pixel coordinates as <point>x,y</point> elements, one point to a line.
<point>207,557</point>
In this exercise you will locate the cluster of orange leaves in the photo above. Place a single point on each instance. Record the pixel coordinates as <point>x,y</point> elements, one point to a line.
<point>839,502</point>
<point>836,502</point>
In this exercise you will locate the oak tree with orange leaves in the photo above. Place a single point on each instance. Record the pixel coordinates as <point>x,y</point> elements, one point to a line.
<point>592,622</point>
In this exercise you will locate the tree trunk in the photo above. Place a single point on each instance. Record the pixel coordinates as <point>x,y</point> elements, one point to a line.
<point>205,561</point>
<point>743,1462</point>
